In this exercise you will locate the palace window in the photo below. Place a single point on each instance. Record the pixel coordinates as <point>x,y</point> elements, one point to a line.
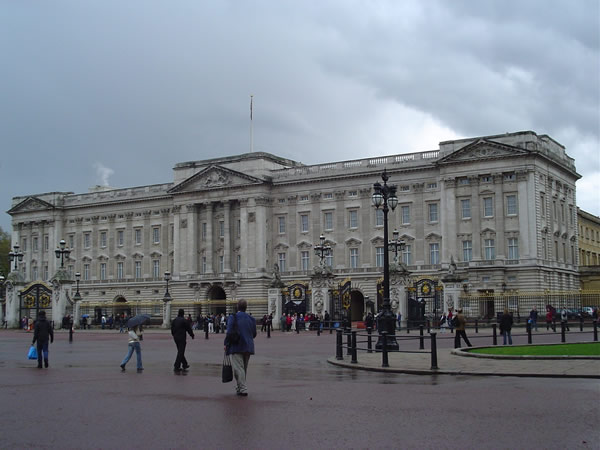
<point>281,260</point>
<point>490,249</point>
<point>103,239</point>
<point>465,208</point>
<point>304,260</point>
<point>281,224</point>
<point>513,249</point>
<point>138,269</point>
<point>467,250</point>
<point>86,240</point>
<point>156,268</point>
<point>488,207</point>
<point>304,223</point>
<point>405,215</point>
<point>354,258</point>
<point>120,238</point>
<point>353,218</point>
<point>137,236</point>
<point>379,257</point>
<point>407,255</point>
<point>511,205</point>
<point>328,221</point>
<point>156,235</point>
<point>120,270</point>
<point>433,212</point>
<point>379,217</point>
<point>434,253</point>
<point>103,271</point>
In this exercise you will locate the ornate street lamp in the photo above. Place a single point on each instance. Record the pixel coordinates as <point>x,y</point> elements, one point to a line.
<point>384,196</point>
<point>77,296</point>
<point>16,255</point>
<point>167,297</point>
<point>396,245</point>
<point>61,252</point>
<point>322,250</point>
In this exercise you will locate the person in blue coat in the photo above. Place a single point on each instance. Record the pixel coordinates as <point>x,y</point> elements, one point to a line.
<point>241,348</point>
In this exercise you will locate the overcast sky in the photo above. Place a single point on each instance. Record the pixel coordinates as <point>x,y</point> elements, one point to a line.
<point>118,92</point>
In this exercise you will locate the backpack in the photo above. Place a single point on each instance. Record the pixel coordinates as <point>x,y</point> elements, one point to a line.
<point>455,321</point>
<point>233,337</point>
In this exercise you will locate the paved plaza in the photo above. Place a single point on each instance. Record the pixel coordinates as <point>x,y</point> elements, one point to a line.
<point>297,399</point>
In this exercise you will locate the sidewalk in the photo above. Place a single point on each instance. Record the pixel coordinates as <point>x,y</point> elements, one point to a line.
<point>453,362</point>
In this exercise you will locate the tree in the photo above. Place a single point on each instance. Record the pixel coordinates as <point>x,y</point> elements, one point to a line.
<point>4,249</point>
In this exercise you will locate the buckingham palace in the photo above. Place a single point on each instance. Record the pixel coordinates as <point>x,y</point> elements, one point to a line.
<point>484,214</point>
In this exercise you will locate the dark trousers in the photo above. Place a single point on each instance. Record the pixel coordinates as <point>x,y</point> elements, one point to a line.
<point>180,360</point>
<point>42,347</point>
<point>457,337</point>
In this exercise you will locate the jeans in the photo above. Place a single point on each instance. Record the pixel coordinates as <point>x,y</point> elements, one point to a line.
<point>534,324</point>
<point>507,333</point>
<point>138,353</point>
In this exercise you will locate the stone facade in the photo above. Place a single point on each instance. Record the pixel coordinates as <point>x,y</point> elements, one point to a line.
<point>503,207</point>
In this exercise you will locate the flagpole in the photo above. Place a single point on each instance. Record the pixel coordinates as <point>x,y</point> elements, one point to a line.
<point>251,125</point>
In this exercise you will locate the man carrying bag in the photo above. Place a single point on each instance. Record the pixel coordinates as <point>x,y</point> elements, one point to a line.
<point>239,343</point>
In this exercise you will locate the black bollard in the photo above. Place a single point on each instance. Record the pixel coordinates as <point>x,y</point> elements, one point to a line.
<point>268,330</point>
<point>421,338</point>
<point>494,335</point>
<point>562,332</point>
<point>318,328</point>
<point>434,365</point>
<point>369,341</point>
<point>476,326</point>
<point>428,326</point>
<point>354,359</point>
<point>339,353</point>
<point>330,328</point>
<point>528,333</point>
<point>595,331</point>
<point>348,342</point>
<point>71,334</point>
<point>580,323</point>
<point>554,325</point>
<point>206,332</point>
<point>385,362</point>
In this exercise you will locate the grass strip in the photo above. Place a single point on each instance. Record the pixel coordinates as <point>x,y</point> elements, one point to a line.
<point>584,349</point>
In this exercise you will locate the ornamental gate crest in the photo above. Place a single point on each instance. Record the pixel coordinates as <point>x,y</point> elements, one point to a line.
<point>33,298</point>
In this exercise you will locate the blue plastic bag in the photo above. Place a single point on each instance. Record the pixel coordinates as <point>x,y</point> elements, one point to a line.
<point>32,352</point>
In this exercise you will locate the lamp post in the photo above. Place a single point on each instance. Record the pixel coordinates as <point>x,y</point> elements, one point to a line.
<point>396,245</point>
<point>384,196</point>
<point>61,252</point>
<point>16,255</point>
<point>167,299</point>
<point>76,300</point>
<point>322,250</point>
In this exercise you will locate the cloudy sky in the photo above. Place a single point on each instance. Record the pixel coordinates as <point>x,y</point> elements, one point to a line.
<point>117,92</point>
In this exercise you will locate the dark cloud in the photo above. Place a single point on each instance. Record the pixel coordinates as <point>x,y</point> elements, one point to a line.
<point>138,86</point>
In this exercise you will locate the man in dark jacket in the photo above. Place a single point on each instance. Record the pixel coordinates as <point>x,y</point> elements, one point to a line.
<point>241,350</point>
<point>179,327</point>
<point>43,331</point>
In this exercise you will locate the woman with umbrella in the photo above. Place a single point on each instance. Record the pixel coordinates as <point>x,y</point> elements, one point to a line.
<point>135,336</point>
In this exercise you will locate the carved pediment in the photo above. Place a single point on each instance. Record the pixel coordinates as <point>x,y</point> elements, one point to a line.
<point>281,246</point>
<point>303,245</point>
<point>155,254</point>
<point>433,237</point>
<point>483,149</point>
<point>353,242</point>
<point>138,255</point>
<point>407,237</point>
<point>214,177</point>
<point>31,204</point>
<point>377,240</point>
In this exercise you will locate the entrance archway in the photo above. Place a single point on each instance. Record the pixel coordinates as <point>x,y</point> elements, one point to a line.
<point>121,307</point>
<point>357,306</point>
<point>217,297</point>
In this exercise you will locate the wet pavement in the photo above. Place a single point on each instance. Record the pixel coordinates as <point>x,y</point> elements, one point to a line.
<point>297,399</point>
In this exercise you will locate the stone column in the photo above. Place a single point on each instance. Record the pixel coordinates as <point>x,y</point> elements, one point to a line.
<point>176,241</point>
<point>275,306</point>
<point>244,234</point>
<point>261,233</point>
<point>227,237</point>
<point>192,239</point>
<point>209,238</point>
<point>399,279</point>
<point>452,290</point>
<point>61,289</point>
<point>14,283</point>
<point>167,315</point>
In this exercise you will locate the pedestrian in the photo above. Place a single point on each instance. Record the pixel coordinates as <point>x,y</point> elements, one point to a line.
<point>533,315</point>
<point>179,327</point>
<point>103,322</point>
<point>135,335</point>
<point>461,324</point>
<point>42,332</point>
<point>443,323</point>
<point>327,320</point>
<point>263,325</point>
<point>369,322</point>
<point>449,318</point>
<point>399,320</point>
<point>84,322</point>
<point>210,324</point>
<point>564,319</point>
<point>241,350</point>
<point>288,323</point>
<point>506,323</point>
<point>549,317</point>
